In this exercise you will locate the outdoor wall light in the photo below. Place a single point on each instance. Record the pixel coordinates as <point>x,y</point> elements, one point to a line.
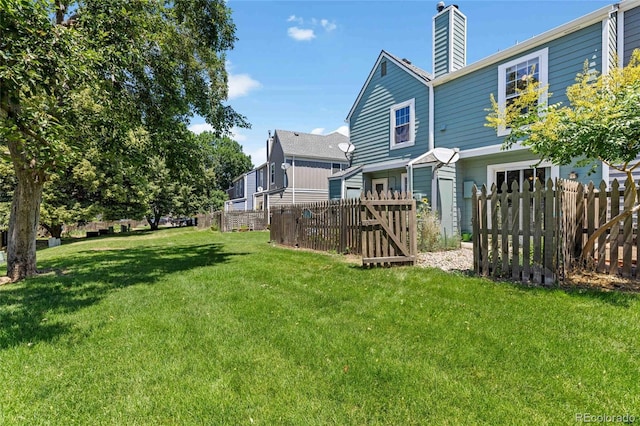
<point>573,175</point>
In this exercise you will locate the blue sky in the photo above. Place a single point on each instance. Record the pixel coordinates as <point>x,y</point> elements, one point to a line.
<point>299,65</point>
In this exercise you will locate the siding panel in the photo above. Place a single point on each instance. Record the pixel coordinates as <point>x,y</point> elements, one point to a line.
<point>460,104</point>
<point>441,44</point>
<point>631,32</point>
<point>369,124</point>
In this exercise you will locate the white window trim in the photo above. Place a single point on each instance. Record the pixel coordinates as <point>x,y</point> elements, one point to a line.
<point>412,124</point>
<point>383,181</point>
<point>272,173</point>
<point>493,168</point>
<point>543,73</point>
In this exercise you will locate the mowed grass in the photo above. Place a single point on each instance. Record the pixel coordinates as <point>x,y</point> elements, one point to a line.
<point>182,326</point>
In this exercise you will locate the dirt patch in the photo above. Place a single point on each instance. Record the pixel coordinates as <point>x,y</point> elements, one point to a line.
<point>601,282</point>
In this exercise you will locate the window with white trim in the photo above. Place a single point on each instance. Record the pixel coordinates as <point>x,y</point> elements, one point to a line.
<point>516,74</point>
<point>404,182</point>
<point>523,176</point>
<point>273,173</point>
<point>403,123</point>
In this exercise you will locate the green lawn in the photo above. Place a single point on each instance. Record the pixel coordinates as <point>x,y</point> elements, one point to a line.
<point>182,326</point>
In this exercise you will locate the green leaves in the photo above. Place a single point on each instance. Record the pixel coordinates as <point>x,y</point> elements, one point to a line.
<point>601,122</point>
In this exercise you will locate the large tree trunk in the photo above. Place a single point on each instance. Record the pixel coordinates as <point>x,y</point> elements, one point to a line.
<point>154,221</point>
<point>23,226</point>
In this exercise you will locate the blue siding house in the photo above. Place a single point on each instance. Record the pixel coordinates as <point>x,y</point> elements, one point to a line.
<point>424,133</point>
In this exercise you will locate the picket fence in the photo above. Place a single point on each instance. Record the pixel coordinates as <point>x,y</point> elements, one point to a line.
<point>380,228</point>
<point>538,235</point>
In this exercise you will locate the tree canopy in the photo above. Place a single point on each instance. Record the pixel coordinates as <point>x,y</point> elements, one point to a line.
<point>116,79</point>
<point>225,158</point>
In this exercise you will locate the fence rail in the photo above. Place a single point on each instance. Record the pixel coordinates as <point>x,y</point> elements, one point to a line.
<point>380,228</point>
<point>322,226</point>
<point>254,220</point>
<point>515,232</point>
<point>540,235</point>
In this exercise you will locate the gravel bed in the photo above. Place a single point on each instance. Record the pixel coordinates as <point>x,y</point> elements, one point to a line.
<point>450,260</point>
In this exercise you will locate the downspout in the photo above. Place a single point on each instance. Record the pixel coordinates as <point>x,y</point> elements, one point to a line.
<point>293,178</point>
<point>432,144</point>
<point>431,117</point>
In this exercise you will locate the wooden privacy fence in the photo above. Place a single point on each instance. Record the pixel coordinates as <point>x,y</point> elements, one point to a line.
<point>389,230</point>
<point>539,235</point>
<point>514,232</point>
<point>253,220</point>
<point>380,228</point>
<point>585,210</point>
<point>323,226</point>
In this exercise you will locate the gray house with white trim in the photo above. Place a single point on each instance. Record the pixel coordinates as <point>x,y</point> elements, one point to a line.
<point>298,165</point>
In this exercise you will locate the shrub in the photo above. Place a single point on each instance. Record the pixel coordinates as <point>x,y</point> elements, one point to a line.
<point>429,230</point>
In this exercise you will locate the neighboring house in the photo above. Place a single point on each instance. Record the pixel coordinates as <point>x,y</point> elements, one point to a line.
<point>246,191</point>
<point>241,193</point>
<point>298,165</point>
<point>424,133</point>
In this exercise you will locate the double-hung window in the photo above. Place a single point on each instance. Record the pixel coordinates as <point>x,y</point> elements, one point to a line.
<point>403,123</point>
<point>272,171</point>
<point>514,76</point>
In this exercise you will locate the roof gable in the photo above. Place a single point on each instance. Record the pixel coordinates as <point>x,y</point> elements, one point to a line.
<point>414,71</point>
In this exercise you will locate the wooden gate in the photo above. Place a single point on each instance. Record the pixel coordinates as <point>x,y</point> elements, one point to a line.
<point>388,224</point>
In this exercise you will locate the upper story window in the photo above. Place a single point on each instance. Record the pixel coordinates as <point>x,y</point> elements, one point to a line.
<point>273,173</point>
<point>239,189</point>
<point>513,76</point>
<point>260,179</point>
<point>403,120</point>
<point>383,68</point>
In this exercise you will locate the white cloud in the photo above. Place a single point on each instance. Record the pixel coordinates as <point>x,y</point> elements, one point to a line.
<point>301,34</point>
<point>200,127</point>
<point>321,131</point>
<point>258,155</point>
<point>297,19</point>
<point>329,26</point>
<point>306,34</point>
<point>343,130</point>
<point>236,136</point>
<point>241,85</point>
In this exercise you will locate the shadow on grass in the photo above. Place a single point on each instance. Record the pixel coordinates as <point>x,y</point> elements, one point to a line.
<point>73,283</point>
<point>618,297</point>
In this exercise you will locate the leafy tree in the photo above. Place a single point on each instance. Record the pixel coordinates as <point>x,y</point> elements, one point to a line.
<point>226,159</point>
<point>600,124</point>
<point>7,184</point>
<point>90,76</point>
<point>68,197</point>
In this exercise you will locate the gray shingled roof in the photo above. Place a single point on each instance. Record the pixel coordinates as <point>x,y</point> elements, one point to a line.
<point>308,145</point>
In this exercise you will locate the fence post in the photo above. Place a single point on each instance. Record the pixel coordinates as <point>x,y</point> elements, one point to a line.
<point>549,246</point>
<point>515,230</point>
